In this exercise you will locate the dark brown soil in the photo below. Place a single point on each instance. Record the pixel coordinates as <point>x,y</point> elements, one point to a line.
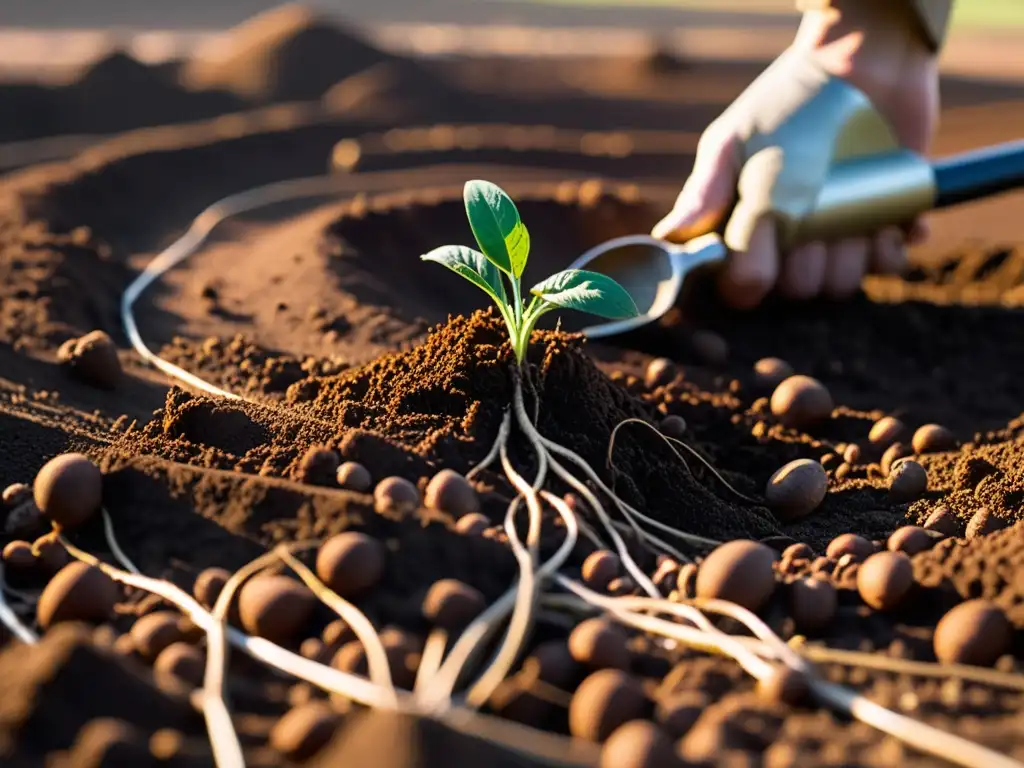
<point>321,316</point>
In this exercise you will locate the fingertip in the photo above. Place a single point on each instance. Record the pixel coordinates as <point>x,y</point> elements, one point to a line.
<point>846,266</point>
<point>889,252</point>
<point>750,275</point>
<point>803,271</point>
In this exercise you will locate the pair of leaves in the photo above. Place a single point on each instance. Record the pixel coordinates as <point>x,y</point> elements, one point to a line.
<point>576,289</point>
<point>505,242</point>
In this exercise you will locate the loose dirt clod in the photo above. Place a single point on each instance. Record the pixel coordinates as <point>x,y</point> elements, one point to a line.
<point>908,481</point>
<point>910,539</point>
<point>304,730</point>
<point>686,580</point>
<point>933,438</point>
<point>600,644</point>
<point>740,571</point>
<point>68,489</point>
<point>182,660</point>
<point>639,744</point>
<point>450,492</point>
<point>709,347</point>
<point>886,431</point>
<point>18,556</point>
<point>208,585</point>
<point>275,607</point>
<point>350,563</point>
<point>884,579</point>
<point>154,632</point>
<point>852,454</point>
<point>79,592</point>
<point>797,489</point>
<point>604,701</point>
<point>942,521</point>
<point>319,466</point>
<point>396,495</point>
<point>812,604</point>
<point>16,494</point>
<point>600,568</point>
<point>771,371</point>
<point>50,554</point>
<point>801,401</point>
<point>451,605</point>
<point>677,712</point>
<point>975,632</point>
<point>849,544</point>
<point>353,476</point>
<point>93,359</point>
<point>798,551</point>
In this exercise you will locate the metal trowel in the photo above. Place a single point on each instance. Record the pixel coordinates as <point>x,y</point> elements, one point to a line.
<point>653,271</point>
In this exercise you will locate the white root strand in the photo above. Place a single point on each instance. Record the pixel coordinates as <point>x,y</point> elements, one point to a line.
<point>10,619</point>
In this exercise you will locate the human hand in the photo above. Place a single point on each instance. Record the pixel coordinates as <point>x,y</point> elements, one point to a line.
<point>874,50</point>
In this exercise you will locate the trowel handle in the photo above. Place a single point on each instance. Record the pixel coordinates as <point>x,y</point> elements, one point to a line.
<point>977,174</point>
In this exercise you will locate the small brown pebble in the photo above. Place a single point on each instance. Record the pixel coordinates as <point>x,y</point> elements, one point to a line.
<point>639,744</point>
<point>16,494</point>
<point>68,489</point>
<point>799,551</point>
<point>336,634</point>
<point>451,605</point>
<point>473,524</point>
<point>852,454</point>
<point>208,585</point>
<point>93,359</point>
<point>395,495</point>
<point>911,539</point>
<point>933,438</point>
<point>351,563</point>
<point>275,607</point>
<point>783,686</point>
<point>673,426</point>
<point>313,648</point>
<point>740,571</point>
<point>849,544</point>
<point>812,604</point>
<point>886,431</point>
<point>892,454</point>
<point>398,648</point>
<point>769,372</point>
<point>600,568</point>
<point>942,521</point>
<point>604,701</point>
<point>184,661</point>
<point>660,371</point>
<point>843,471</point>
<point>975,632</point>
<point>709,347</point>
<point>600,644</point>
<point>623,585</point>
<point>125,646</point>
<point>154,632</point>
<point>800,402</point>
<point>664,576</point>
<point>686,580</point>
<point>908,481</point>
<point>319,466</point>
<point>677,712</point>
<point>353,476</point>
<point>551,662</point>
<point>18,556</point>
<point>983,522</point>
<point>50,554</point>
<point>79,592</point>
<point>885,579</point>
<point>797,489</point>
<point>450,492</point>
<point>304,730</point>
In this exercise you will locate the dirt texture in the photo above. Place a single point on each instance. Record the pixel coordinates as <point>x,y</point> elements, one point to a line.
<point>319,316</point>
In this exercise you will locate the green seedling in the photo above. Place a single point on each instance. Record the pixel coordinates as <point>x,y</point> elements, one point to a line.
<point>505,245</point>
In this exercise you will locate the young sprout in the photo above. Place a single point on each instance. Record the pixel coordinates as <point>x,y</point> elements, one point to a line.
<point>505,245</point>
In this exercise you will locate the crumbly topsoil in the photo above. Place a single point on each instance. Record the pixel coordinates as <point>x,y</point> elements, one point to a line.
<point>296,326</point>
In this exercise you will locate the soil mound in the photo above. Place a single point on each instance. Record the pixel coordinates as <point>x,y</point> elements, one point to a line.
<point>288,53</point>
<point>398,90</point>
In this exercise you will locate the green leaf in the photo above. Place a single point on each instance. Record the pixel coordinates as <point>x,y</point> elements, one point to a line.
<point>589,292</point>
<point>473,266</point>
<point>495,222</point>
